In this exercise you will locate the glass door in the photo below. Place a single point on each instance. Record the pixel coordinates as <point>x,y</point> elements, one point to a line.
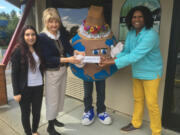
<point>171,106</point>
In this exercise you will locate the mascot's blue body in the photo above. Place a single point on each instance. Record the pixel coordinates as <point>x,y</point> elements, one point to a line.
<point>100,47</point>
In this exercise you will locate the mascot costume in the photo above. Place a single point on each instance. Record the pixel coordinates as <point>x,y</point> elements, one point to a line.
<point>96,39</point>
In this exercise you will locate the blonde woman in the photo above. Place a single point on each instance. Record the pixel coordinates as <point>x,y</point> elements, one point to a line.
<point>55,47</point>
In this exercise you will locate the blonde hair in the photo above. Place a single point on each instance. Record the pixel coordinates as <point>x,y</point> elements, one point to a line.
<point>48,14</point>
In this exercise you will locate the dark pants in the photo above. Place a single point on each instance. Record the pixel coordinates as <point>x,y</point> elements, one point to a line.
<point>88,90</point>
<point>31,99</point>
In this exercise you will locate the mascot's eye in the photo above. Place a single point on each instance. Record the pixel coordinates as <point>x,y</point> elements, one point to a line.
<point>104,51</point>
<point>95,52</point>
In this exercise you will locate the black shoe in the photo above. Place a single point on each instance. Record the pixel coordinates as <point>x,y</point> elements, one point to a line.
<point>58,123</point>
<point>128,128</point>
<point>52,131</point>
<point>28,133</point>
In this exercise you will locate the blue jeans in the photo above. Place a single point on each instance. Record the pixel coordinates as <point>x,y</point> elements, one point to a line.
<point>100,89</point>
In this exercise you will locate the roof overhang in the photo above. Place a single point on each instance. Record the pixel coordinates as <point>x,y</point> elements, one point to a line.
<point>16,3</point>
<point>77,3</point>
<point>66,3</point>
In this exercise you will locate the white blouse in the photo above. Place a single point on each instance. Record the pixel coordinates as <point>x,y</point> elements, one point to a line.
<point>35,77</point>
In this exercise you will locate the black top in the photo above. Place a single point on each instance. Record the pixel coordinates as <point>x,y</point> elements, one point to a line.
<point>50,52</point>
<point>19,73</point>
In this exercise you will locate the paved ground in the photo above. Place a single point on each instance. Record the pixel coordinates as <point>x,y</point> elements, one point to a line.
<point>10,120</point>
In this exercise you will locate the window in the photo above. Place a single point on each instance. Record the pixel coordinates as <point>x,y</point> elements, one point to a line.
<point>153,5</point>
<point>72,18</point>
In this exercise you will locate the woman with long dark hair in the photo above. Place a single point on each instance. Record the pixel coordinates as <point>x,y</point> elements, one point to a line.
<point>27,79</point>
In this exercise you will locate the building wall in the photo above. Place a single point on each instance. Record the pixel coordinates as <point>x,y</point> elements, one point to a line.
<point>119,87</point>
<point>40,6</point>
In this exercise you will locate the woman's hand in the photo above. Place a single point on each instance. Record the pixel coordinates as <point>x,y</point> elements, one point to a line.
<point>17,98</point>
<point>76,52</point>
<point>106,61</point>
<point>74,60</point>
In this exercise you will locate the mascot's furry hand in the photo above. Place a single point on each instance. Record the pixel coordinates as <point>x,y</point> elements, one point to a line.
<point>80,57</point>
<point>116,49</point>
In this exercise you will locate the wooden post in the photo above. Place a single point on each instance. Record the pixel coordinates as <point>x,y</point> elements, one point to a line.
<point>3,91</point>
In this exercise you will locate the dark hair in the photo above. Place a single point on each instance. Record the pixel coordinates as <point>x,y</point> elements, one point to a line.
<point>147,15</point>
<point>64,32</point>
<point>25,52</point>
<point>73,31</point>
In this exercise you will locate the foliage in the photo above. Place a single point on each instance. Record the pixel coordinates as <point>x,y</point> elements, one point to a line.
<point>12,23</point>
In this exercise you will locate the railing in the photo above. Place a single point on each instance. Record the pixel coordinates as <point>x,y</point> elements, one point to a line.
<point>3,90</point>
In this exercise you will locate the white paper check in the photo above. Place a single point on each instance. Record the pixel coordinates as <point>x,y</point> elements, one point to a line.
<point>91,59</point>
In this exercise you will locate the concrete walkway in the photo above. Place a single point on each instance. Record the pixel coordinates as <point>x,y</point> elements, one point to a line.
<point>10,123</point>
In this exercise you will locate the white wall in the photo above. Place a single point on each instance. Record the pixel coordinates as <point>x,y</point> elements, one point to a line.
<point>119,86</point>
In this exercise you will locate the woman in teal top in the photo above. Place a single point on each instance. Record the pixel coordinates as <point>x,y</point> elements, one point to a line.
<point>141,50</point>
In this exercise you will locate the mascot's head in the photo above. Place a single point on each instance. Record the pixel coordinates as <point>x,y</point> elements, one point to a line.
<point>94,26</point>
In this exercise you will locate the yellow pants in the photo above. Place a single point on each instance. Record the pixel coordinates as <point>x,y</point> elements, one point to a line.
<point>146,90</point>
